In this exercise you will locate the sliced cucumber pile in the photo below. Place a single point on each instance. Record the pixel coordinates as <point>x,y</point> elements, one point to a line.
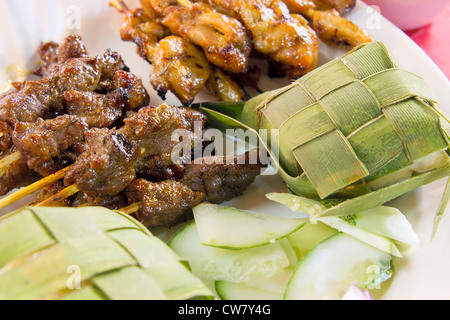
<point>246,255</point>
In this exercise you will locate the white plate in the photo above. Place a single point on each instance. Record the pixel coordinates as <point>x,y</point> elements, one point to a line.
<point>24,24</point>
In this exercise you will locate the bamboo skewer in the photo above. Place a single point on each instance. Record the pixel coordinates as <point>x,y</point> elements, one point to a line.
<point>135,207</point>
<point>8,160</point>
<point>21,193</point>
<point>62,195</point>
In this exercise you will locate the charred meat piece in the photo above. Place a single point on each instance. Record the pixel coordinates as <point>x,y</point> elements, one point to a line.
<point>52,53</point>
<point>224,39</point>
<point>103,110</point>
<point>165,203</point>
<point>97,110</point>
<point>39,143</point>
<point>153,128</point>
<point>176,65</point>
<point>275,32</point>
<point>108,164</point>
<point>222,178</point>
<point>214,179</point>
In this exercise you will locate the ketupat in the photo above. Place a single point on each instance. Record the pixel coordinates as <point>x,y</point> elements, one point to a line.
<point>359,130</point>
<point>88,254</point>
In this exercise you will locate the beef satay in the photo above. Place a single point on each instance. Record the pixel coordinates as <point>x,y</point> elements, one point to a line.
<point>154,127</point>
<point>108,164</point>
<point>44,98</point>
<point>103,110</point>
<point>224,40</point>
<point>165,203</point>
<point>213,179</point>
<point>41,142</point>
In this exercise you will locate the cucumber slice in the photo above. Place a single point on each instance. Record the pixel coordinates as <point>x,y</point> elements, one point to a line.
<point>241,291</point>
<point>329,270</point>
<point>383,227</point>
<point>388,222</point>
<point>379,242</point>
<point>308,237</point>
<point>227,265</point>
<point>257,288</point>
<point>231,228</point>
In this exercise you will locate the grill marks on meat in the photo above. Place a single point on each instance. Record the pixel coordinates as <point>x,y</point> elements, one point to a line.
<point>108,164</point>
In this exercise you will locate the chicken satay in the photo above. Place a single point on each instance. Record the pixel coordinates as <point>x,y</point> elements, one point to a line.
<point>176,65</point>
<point>224,39</point>
<point>342,6</point>
<point>225,88</point>
<point>156,8</point>
<point>328,23</point>
<point>334,29</point>
<point>276,33</point>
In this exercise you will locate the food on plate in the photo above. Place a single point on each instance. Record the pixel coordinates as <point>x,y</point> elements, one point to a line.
<point>230,34</point>
<point>88,254</point>
<point>105,141</point>
<point>224,40</point>
<point>371,131</point>
<point>290,258</point>
<point>176,64</point>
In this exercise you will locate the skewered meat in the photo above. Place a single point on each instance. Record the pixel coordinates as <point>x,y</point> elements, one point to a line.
<point>165,203</point>
<point>214,179</point>
<point>103,110</point>
<point>332,28</point>
<point>156,8</point>
<point>16,175</point>
<point>153,128</point>
<point>39,143</point>
<point>276,33</point>
<point>342,6</point>
<point>176,64</point>
<point>108,164</point>
<point>225,88</point>
<point>224,39</point>
<point>28,101</point>
<point>53,53</point>
<point>222,178</point>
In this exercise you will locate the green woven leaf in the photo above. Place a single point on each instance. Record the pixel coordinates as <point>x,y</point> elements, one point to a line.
<point>106,254</point>
<point>382,111</point>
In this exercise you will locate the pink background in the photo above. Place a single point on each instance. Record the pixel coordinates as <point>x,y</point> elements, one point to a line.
<point>434,39</point>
